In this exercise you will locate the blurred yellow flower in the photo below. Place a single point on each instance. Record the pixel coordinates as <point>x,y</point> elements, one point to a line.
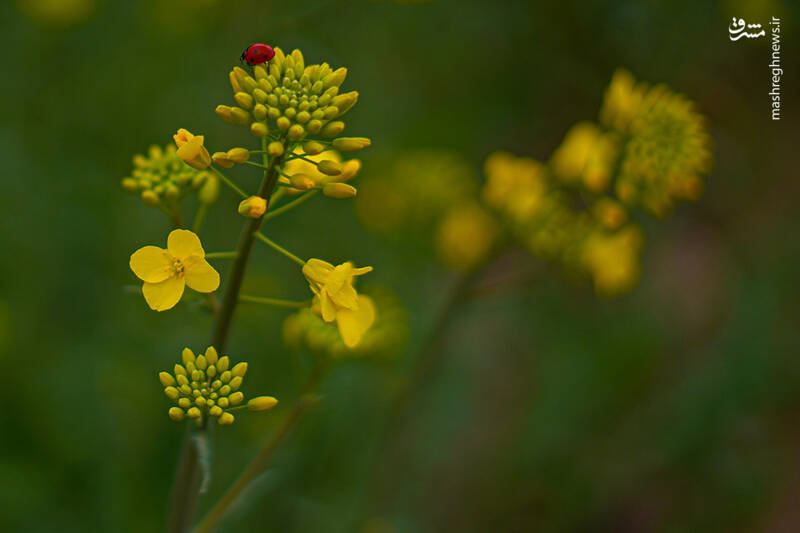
<point>191,149</point>
<point>165,272</point>
<point>515,186</point>
<point>585,156</point>
<point>336,298</point>
<point>465,236</point>
<point>613,260</point>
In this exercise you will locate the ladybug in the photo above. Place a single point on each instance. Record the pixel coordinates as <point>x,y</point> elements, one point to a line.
<point>257,54</point>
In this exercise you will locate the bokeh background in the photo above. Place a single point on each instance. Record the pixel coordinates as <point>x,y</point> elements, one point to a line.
<point>671,408</point>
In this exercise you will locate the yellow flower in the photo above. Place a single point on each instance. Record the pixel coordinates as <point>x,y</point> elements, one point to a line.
<point>191,149</point>
<point>465,236</point>
<point>515,186</point>
<point>336,298</point>
<point>165,272</point>
<point>613,260</point>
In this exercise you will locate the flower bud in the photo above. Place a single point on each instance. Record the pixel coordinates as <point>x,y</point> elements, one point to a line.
<point>176,413</point>
<point>150,198</point>
<point>301,182</point>
<point>261,403</point>
<point>166,379</point>
<point>351,144</point>
<point>275,149</point>
<point>221,159</point>
<point>259,129</point>
<point>225,419</point>
<point>130,185</point>
<point>253,207</point>
<point>332,129</point>
<point>211,355</point>
<point>313,147</point>
<point>330,168</point>
<point>236,398</point>
<point>296,132</point>
<point>338,190</point>
<point>239,155</point>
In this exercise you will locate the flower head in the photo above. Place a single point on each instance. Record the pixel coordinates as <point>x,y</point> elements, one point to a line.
<point>165,272</point>
<point>290,96</point>
<point>162,179</point>
<point>669,147</point>
<point>335,298</point>
<point>191,149</point>
<point>387,336</point>
<point>206,387</point>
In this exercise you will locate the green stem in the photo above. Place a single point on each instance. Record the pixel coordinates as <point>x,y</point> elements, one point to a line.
<point>291,205</point>
<point>221,255</point>
<point>199,217</point>
<point>278,248</point>
<point>228,182</point>
<point>277,302</point>
<point>257,165</point>
<point>257,465</point>
<point>184,496</point>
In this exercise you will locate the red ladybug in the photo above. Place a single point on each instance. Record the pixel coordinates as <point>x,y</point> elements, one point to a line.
<point>257,54</point>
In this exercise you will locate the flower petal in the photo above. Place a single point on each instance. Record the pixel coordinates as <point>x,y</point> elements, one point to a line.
<point>164,295</point>
<point>361,271</point>
<point>340,275</point>
<point>354,323</point>
<point>317,270</point>
<point>199,275</point>
<point>327,307</point>
<point>346,297</point>
<point>182,243</point>
<point>151,264</point>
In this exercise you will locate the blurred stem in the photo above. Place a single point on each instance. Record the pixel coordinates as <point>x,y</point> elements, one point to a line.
<point>199,217</point>
<point>291,205</point>
<point>429,359</point>
<point>278,248</point>
<point>230,183</point>
<point>257,465</point>
<point>276,302</point>
<point>186,488</point>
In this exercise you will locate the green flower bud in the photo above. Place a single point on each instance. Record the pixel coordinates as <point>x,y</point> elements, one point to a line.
<point>330,168</point>
<point>194,412</point>
<point>338,190</point>
<point>259,129</point>
<point>225,419</point>
<point>223,363</point>
<point>150,198</point>
<point>333,129</point>
<point>172,393</point>
<point>350,144</point>
<point>261,403</point>
<point>313,147</point>
<point>236,398</point>
<point>176,414</point>
<point>166,379</point>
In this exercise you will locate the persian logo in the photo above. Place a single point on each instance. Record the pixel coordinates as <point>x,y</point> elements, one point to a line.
<point>737,27</point>
<point>737,30</point>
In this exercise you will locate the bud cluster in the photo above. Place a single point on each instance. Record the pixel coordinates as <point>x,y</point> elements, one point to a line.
<point>162,179</point>
<point>206,387</point>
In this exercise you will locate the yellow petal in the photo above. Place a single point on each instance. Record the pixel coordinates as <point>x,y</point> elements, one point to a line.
<point>164,295</point>
<point>182,243</point>
<point>151,264</point>
<point>200,276</point>
<point>327,307</point>
<point>189,150</point>
<point>339,277</point>
<point>354,323</point>
<point>345,297</point>
<point>361,271</point>
<point>317,270</point>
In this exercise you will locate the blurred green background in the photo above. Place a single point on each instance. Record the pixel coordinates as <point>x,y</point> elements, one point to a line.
<point>673,408</point>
